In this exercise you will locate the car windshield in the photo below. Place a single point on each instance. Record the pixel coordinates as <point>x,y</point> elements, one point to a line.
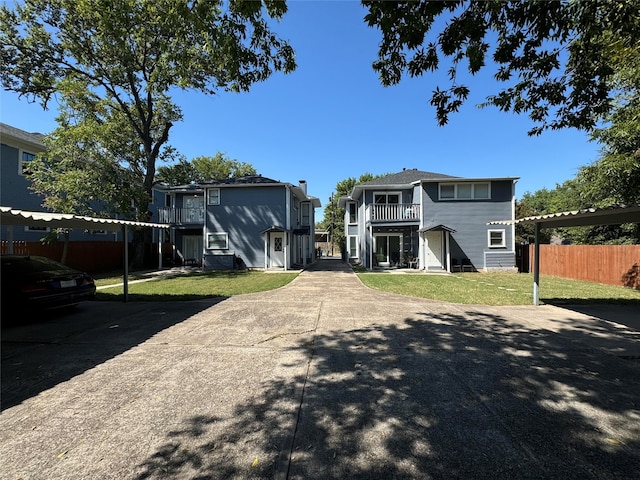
<point>31,264</point>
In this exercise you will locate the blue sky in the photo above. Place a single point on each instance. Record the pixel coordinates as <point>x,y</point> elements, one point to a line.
<point>331,119</point>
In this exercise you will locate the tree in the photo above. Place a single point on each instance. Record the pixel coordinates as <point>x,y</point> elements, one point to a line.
<point>114,65</point>
<point>557,57</point>
<point>204,169</point>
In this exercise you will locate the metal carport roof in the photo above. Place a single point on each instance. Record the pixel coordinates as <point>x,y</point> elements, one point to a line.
<point>11,216</point>
<point>614,215</point>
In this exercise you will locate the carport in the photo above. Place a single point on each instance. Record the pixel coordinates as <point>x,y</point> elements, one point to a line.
<point>11,217</point>
<point>577,218</point>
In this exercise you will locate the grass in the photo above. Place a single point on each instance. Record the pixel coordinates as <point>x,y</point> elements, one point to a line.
<point>499,288</point>
<point>464,288</point>
<point>194,286</point>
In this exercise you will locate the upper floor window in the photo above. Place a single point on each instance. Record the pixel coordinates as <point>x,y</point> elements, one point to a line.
<point>213,196</point>
<point>465,191</point>
<point>386,197</point>
<point>25,158</point>
<point>304,213</point>
<point>353,212</point>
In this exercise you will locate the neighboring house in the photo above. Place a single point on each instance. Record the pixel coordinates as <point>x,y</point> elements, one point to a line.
<point>244,222</point>
<point>431,221</point>
<point>18,148</point>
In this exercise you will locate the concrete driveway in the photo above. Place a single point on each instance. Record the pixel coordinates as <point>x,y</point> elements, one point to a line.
<point>323,378</point>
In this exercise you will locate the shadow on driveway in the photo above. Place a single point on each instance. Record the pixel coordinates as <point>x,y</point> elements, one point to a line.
<point>438,396</point>
<point>45,351</point>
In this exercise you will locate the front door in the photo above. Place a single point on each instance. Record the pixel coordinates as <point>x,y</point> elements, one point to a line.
<point>434,250</point>
<point>276,249</point>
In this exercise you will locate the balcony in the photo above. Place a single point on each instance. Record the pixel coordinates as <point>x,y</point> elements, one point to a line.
<point>395,212</point>
<point>181,216</point>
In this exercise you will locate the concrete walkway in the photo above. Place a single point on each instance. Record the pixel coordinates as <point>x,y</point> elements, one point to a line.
<point>321,379</point>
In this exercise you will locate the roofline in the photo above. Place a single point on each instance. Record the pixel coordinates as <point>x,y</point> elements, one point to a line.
<point>465,179</point>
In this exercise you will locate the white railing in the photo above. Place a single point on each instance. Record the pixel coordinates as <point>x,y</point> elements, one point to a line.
<point>384,212</point>
<point>181,216</point>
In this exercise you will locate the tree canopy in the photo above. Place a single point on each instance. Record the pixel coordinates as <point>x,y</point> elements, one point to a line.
<point>113,65</point>
<point>203,169</point>
<point>557,59</point>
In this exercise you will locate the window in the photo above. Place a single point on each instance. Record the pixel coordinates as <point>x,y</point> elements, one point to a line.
<point>353,212</point>
<point>383,197</point>
<point>481,190</point>
<point>167,200</point>
<point>353,246</point>
<point>465,191</point>
<point>32,228</point>
<point>213,196</point>
<point>496,239</point>
<point>218,241</point>
<point>304,213</point>
<point>447,191</point>
<point>25,158</point>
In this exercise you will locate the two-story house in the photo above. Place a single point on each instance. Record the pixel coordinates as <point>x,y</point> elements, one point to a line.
<point>17,149</point>
<point>244,222</point>
<point>431,221</point>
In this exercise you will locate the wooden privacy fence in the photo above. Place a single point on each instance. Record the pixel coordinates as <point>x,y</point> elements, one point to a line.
<point>86,256</point>
<point>609,264</point>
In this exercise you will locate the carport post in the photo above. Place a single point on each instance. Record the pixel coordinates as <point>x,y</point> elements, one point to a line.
<point>125,275</point>
<point>536,266</point>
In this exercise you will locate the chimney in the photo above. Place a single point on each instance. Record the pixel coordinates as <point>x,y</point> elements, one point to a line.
<point>303,186</point>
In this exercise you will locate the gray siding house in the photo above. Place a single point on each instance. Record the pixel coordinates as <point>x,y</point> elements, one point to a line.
<point>431,221</point>
<point>246,222</point>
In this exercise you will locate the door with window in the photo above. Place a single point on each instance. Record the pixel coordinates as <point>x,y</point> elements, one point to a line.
<point>387,249</point>
<point>276,249</point>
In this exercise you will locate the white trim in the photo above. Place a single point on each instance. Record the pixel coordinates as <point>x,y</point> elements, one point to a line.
<point>503,233</point>
<point>387,193</point>
<point>349,204</point>
<point>349,237</point>
<point>224,235</point>
<point>21,162</point>
<point>209,202</point>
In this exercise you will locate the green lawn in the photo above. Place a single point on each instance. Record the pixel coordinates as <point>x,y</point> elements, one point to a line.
<point>194,286</point>
<point>498,288</point>
<point>465,288</point>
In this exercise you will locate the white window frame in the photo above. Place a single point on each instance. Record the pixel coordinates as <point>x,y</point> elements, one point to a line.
<point>386,194</point>
<point>22,162</point>
<point>503,243</point>
<point>213,200</point>
<point>456,194</point>
<point>305,213</point>
<point>355,214</point>
<point>357,246</point>
<point>221,235</point>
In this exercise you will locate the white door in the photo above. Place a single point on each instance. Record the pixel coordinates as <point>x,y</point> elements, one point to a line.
<point>276,249</point>
<point>434,250</point>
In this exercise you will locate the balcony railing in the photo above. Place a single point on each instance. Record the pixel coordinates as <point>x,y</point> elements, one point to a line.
<point>181,216</point>
<point>395,212</point>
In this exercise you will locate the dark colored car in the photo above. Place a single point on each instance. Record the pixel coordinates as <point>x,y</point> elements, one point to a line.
<point>31,282</point>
